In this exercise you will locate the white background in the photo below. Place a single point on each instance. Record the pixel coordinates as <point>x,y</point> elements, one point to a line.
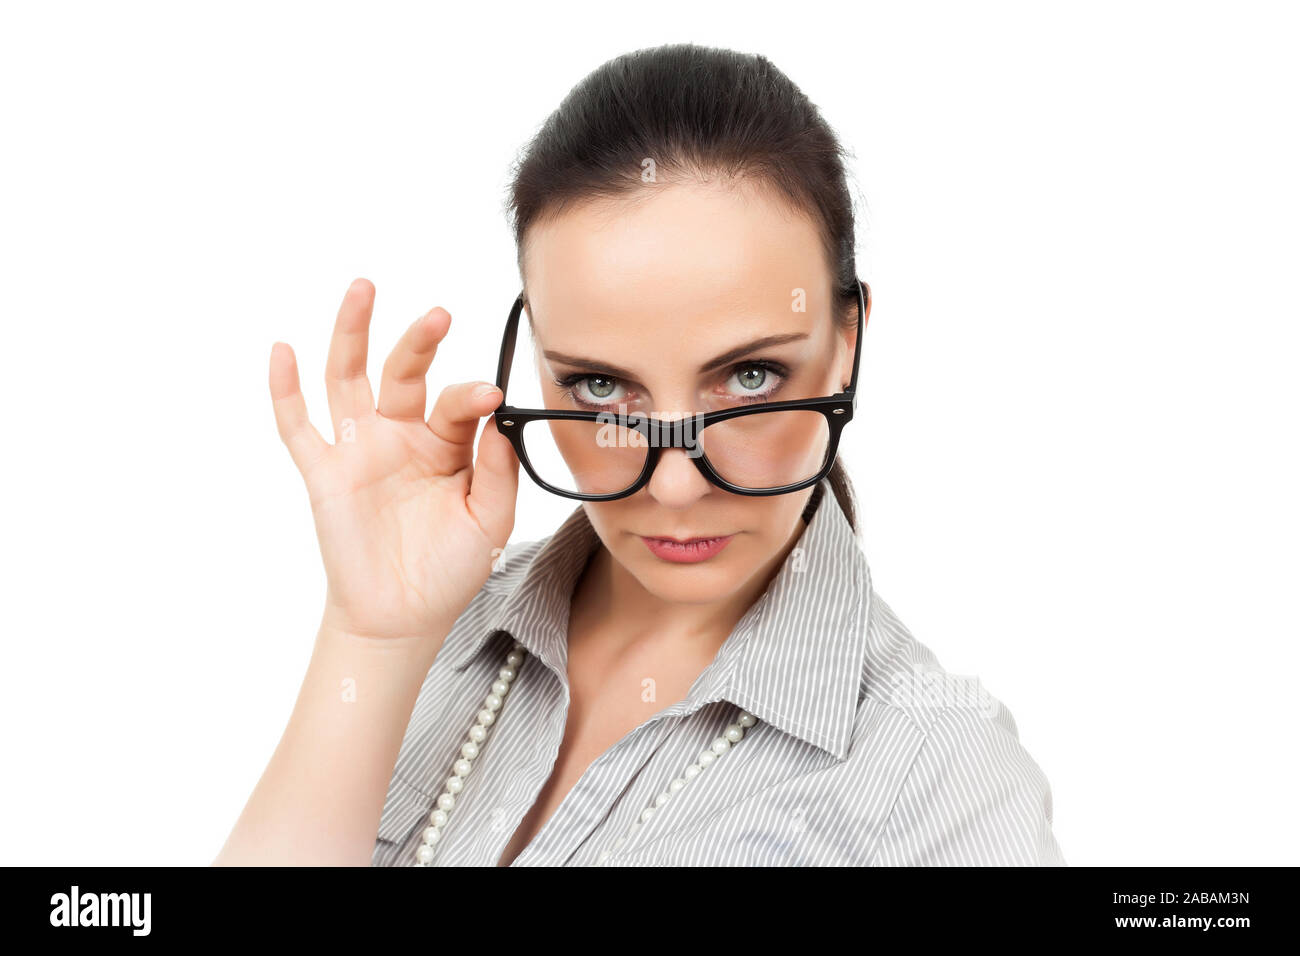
<point>1076,450</point>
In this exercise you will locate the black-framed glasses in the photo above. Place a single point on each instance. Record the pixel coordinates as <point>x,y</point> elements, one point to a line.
<point>765,448</point>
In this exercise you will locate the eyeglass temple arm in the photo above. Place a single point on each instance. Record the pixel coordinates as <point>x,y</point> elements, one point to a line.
<point>508,346</point>
<point>857,345</point>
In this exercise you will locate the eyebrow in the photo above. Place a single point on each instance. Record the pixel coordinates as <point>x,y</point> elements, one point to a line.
<point>725,358</point>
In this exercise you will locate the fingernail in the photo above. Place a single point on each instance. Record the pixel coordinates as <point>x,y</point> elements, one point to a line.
<point>483,391</point>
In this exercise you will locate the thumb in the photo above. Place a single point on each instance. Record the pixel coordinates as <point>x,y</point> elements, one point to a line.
<point>495,484</point>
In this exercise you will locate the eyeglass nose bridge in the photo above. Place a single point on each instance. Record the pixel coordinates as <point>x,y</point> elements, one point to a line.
<point>676,434</point>
<point>661,433</point>
<point>681,433</point>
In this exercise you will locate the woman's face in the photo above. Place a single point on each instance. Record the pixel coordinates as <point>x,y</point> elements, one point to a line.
<point>651,291</point>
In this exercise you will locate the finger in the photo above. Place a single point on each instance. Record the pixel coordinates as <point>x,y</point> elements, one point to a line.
<point>346,384</point>
<point>495,485</point>
<point>305,444</point>
<point>402,392</point>
<point>454,421</point>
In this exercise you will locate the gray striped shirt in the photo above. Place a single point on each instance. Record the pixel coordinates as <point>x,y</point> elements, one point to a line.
<point>866,752</point>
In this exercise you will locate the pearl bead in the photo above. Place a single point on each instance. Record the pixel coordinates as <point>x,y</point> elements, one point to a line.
<point>478,734</point>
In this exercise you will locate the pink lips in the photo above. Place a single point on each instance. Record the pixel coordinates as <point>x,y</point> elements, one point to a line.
<point>686,552</point>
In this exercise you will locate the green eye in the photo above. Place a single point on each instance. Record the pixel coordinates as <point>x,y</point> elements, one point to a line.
<point>602,390</point>
<point>757,381</point>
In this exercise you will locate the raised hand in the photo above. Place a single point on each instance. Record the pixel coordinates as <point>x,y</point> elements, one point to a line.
<point>406,519</point>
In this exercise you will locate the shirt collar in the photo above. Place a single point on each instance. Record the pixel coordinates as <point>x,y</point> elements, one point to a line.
<point>795,659</point>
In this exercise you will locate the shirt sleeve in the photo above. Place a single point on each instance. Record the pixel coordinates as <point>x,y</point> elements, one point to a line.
<point>974,797</point>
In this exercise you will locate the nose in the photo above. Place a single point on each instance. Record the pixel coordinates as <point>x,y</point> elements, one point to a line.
<point>676,482</point>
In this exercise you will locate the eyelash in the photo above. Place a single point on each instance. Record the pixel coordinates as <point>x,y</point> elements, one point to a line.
<point>567,382</point>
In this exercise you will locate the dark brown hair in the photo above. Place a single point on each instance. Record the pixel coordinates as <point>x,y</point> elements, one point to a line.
<point>695,110</point>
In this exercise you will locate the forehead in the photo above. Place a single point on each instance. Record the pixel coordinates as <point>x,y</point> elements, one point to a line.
<point>684,258</point>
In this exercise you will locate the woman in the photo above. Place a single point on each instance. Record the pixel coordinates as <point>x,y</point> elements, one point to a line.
<point>692,669</point>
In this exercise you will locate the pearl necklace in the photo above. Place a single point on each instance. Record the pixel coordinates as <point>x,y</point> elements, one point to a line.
<point>478,733</point>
